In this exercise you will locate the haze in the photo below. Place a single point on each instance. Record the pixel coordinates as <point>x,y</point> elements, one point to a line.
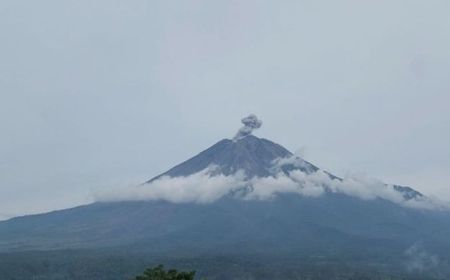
<point>95,94</point>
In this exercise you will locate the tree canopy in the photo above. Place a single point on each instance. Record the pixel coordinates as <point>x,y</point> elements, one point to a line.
<point>158,273</point>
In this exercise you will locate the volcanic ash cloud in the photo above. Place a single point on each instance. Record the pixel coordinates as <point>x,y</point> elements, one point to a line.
<point>251,122</point>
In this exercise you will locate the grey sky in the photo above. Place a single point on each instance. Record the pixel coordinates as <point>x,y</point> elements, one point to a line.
<point>99,93</point>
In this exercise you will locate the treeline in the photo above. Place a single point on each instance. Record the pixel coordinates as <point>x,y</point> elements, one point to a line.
<point>88,265</point>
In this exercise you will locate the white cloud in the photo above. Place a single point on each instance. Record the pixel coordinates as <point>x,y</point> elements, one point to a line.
<point>207,186</point>
<point>201,187</point>
<point>268,187</point>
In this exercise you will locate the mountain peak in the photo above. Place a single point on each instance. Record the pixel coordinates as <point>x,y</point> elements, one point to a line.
<point>259,157</point>
<point>253,155</point>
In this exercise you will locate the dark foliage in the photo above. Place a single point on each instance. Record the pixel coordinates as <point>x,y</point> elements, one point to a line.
<point>158,273</point>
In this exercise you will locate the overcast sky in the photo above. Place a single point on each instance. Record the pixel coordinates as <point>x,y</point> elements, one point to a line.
<point>94,94</point>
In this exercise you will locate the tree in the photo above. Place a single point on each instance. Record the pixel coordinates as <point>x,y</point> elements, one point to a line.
<point>158,273</point>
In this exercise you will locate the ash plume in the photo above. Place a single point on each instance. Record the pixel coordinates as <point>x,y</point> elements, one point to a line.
<point>250,122</point>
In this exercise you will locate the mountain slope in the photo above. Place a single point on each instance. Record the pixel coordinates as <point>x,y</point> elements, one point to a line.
<point>251,154</point>
<point>329,225</point>
<point>293,222</point>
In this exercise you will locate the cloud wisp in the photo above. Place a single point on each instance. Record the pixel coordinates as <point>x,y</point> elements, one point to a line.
<point>418,260</point>
<point>209,185</point>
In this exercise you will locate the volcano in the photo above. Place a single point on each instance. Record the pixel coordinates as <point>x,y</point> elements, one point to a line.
<point>333,224</point>
<point>253,155</point>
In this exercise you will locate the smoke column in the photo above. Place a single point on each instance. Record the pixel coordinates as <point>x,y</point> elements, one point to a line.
<point>250,122</point>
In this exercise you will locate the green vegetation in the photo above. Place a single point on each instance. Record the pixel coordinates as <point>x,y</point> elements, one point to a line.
<point>158,273</point>
<point>120,265</point>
